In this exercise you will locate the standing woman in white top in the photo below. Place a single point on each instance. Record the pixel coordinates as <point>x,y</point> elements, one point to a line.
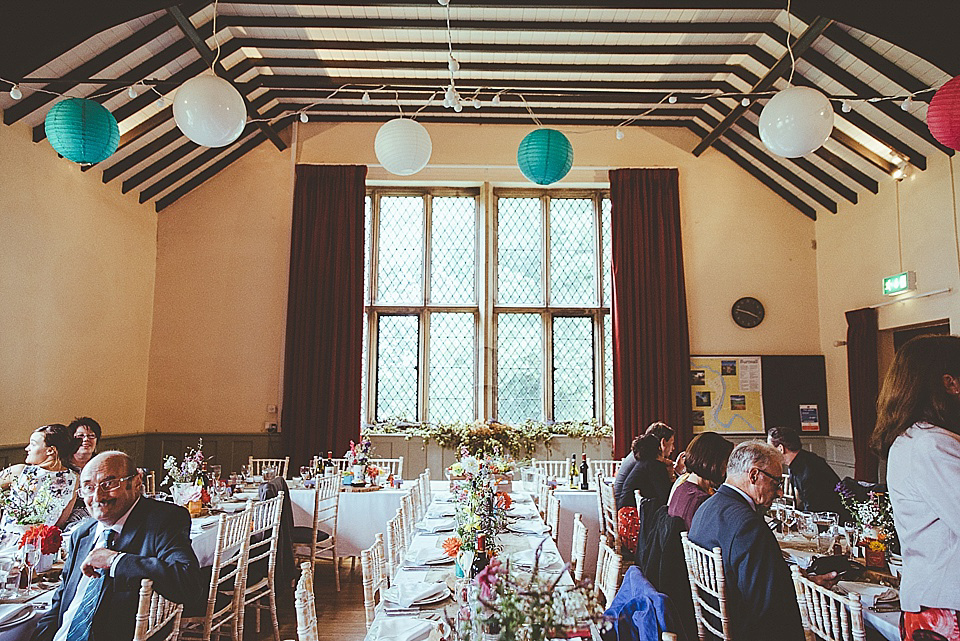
<point>918,428</point>
<point>44,487</point>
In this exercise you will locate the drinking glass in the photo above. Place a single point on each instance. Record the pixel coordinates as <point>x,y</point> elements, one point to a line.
<point>215,471</point>
<point>31,556</point>
<point>6,565</point>
<point>789,520</point>
<point>808,528</point>
<point>306,473</point>
<point>269,473</point>
<point>245,473</point>
<point>12,583</point>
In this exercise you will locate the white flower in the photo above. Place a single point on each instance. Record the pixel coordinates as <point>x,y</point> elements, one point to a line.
<point>470,465</point>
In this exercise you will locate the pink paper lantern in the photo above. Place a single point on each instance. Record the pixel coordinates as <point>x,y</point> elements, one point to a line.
<point>943,115</point>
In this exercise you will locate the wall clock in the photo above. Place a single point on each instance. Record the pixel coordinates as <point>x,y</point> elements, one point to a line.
<point>747,312</point>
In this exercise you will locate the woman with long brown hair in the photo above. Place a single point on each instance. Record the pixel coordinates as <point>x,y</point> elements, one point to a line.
<point>918,429</point>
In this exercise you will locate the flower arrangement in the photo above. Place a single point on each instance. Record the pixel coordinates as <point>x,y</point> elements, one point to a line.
<point>871,511</point>
<point>28,505</point>
<point>46,538</point>
<point>480,436</point>
<point>480,509</point>
<point>521,606</point>
<point>185,471</point>
<point>359,453</point>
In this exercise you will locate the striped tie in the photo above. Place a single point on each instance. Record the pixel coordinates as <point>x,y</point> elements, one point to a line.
<point>80,626</point>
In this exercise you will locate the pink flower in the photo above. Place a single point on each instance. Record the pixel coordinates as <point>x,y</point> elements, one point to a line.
<point>487,579</point>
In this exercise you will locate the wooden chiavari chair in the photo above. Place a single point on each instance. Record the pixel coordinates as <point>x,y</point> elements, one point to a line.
<point>390,465</point>
<point>578,549</point>
<point>407,516</point>
<point>155,612</point>
<point>264,538</point>
<point>374,566</point>
<point>556,469</point>
<point>228,578</point>
<point>395,544</point>
<point>604,468</point>
<point>306,605</point>
<point>425,487</point>
<point>608,571</point>
<point>705,569</point>
<point>416,500</point>
<point>553,515</point>
<point>255,465</point>
<point>830,616</point>
<point>608,514</point>
<point>320,541</point>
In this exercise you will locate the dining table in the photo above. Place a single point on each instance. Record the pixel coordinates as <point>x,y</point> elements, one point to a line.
<point>425,564</point>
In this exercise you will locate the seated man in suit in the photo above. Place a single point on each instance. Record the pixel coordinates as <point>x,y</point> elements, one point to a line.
<point>761,601</point>
<point>814,481</point>
<point>129,538</point>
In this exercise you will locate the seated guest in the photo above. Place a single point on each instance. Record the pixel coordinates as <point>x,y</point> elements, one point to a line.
<point>87,432</point>
<point>814,481</point>
<point>642,470</point>
<point>46,479</point>
<point>760,593</point>
<point>129,538</point>
<point>706,465</point>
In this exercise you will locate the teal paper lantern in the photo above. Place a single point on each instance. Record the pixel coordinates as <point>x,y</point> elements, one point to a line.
<point>81,130</point>
<point>545,156</point>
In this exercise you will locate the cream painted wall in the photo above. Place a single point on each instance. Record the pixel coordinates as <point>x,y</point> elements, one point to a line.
<point>223,252</point>
<point>76,294</point>
<point>859,246</point>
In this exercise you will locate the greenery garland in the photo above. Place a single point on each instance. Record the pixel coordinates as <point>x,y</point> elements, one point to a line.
<point>481,437</point>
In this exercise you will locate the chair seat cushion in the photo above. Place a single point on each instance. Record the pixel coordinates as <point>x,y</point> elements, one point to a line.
<point>303,534</point>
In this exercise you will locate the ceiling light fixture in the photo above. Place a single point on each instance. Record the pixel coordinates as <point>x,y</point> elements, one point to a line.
<point>745,102</point>
<point>846,107</point>
<point>672,100</point>
<point>619,134</point>
<point>15,92</point>
<point>907,104</point>
<point>365,98</point>
<point>304,118</point>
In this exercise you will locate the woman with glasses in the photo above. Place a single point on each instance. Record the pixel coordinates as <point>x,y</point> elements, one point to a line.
<point>87,432</point>
<point>43,488</point>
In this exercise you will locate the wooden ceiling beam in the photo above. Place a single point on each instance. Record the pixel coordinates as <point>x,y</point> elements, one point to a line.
<point>235,154</point>
<point>455,118</point>
<point>842,165</point>
<point>617,114</point>
<point>800,47</point>
<point>211,58</point>
<point>866,153</point>
<point>874,59</point>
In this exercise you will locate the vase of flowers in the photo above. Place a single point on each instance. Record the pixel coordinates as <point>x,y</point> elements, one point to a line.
<point>872,513</point>
<point>358,456</point>
<point>47,539</point>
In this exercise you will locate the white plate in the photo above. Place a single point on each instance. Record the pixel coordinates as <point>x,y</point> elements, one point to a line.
<point>520,529</point>
<point>17,620</point>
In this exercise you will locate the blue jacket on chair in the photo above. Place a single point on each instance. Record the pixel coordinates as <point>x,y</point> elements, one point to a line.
<point>639,612</point>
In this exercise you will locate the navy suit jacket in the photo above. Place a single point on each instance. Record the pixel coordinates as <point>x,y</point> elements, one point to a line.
<point>815,482</point>
<point>156,541</point>
<point>761,599</point>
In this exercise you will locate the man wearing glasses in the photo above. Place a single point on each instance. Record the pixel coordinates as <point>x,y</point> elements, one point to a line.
<point>129,538</point>
<point>761,600</point>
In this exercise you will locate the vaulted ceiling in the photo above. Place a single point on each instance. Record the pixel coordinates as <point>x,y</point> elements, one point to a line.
<point>601,63</point>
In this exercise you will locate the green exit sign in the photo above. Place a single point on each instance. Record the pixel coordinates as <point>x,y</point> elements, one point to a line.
<point>899,283</point>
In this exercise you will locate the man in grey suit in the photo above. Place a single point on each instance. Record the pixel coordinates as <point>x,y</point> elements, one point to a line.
<point>129,538</point>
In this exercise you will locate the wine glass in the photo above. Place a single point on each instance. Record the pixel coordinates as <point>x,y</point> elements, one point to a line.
<point>31,556</point>
<point>306,473</point>
<point>808,527</point>
<point>789,520</point>
<point>216,471</point>
<point>6,566</point>
<point>245,473</point>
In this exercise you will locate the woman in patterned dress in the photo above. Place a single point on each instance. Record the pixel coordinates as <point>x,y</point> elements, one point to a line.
<point>45,480</point>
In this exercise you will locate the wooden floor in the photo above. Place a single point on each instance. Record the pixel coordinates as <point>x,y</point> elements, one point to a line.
<point>340,614</point>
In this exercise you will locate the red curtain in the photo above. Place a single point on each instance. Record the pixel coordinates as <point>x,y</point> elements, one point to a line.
<point>863,374</point>
<point>651,346</point>
<point>321,375</point>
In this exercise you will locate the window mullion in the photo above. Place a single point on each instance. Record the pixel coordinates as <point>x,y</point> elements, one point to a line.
<point>548,404</point>
<point>424,373</point>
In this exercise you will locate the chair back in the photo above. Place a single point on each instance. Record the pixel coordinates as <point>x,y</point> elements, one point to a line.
<point>788,492</point>
<point>255,466</point>
<point>830,616</point>
<point>578,549</point>
<point>416,500</point>
<point>426,492</point>
<point>553,514</point>
<point>149,483</point>
<point>608,571</point>
<point>265,534</point>
<point>306,605</point>
<point>390,465</point>
<point>407,516</point>
<point>608,513</point>
<point>556,469</point>
<point>395,544</point>
<point>154,613</point>
<point>543,490</point>
<point>374,566</point>
<point>229,572</point>
<point>707,585</point>
<point>605,468</point>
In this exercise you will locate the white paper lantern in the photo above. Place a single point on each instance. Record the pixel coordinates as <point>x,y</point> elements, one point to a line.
<point>209,111</point>
<point>403,146</point>
<point>796,122</point>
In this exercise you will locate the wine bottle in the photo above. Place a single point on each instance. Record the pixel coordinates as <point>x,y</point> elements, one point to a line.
<point>573,470</point>
<point>584,474</point>
<point>328,464</point>
<point>480,558</point>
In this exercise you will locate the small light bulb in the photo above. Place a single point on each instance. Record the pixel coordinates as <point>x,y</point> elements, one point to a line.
<point>15,92</point>
<point>898,174</point>
<point>496,101</point>
<point>846,107</point>
<point>304,118</point>
<point>132,91</point>
<point>745,102</point>
<point>457,107</point>
<point>453,65</point>
<point>159,103</point>
<point>619,134</point>
<point>444,2</point>
<point>672,100</point>
<point>907,104</point>
<point>446,102</point>
<point>476,103</point>
<point>450,94</point>
<point>365,99</point>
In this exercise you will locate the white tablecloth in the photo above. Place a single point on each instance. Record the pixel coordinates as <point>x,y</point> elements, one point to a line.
<point>24,630</point>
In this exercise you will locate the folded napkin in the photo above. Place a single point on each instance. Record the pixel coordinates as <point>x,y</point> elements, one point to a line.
<point>12,611</point>
<point>243,496</point>
<point>428,556</point>
<point>407,595</point>
<point>521,498</point>
<point>441,511</point>
<point>801,558</point>
<point>437,525</point>
<point>404,629</point>
<point>870,593</point>
<point>232,507</point>
<point>522,512</point>
<point>528,527</point>
<point>525,558</point>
